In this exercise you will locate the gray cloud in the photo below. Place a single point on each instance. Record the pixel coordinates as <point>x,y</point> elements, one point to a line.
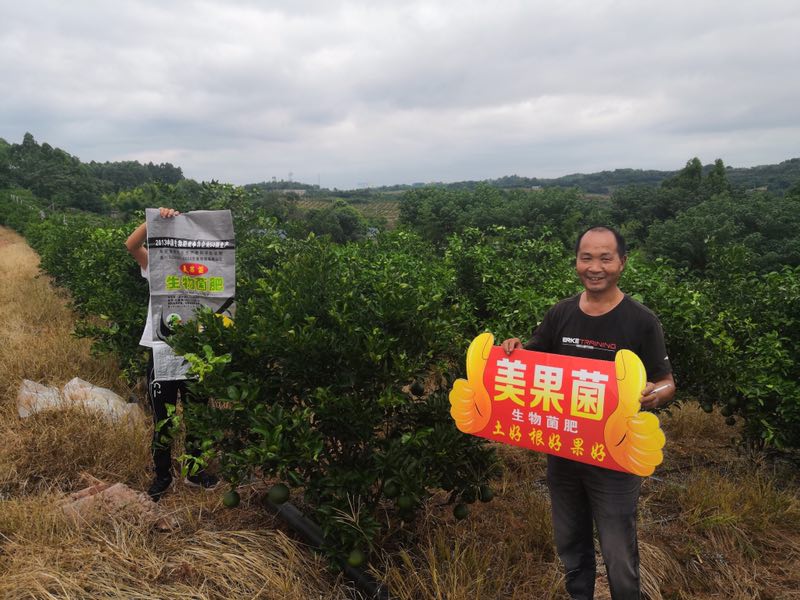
<point>385,92</point>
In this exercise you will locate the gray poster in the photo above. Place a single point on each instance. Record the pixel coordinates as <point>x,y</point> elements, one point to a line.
<point>191,263</point>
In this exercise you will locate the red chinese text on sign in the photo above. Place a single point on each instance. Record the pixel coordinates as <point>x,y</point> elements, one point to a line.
<point>194,269</point>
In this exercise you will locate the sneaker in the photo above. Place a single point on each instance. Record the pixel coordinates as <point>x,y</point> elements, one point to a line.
<point>207,481</point>
<point>159,487</point>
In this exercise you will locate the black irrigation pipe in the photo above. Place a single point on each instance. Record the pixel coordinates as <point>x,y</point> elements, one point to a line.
<point>312,535</point>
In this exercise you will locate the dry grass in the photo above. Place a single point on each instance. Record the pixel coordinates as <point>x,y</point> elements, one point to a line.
<point>51,449</point>
<point>37,328</point>
<point>503,550</point>
<point>715,522</point>
<point>735,529</point>
<point>729,517</point>
<point>47,557</point>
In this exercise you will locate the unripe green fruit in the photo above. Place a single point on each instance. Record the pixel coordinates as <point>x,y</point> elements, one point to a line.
<point>707,407</point>
<point>460,511</point>
<point>231,499</point>
<point>731,421</point>
<point>356,558</point>
<point>726,411</point>
<point>391,490</point>
<point>405,503</point>
<point>278,493</point>
<point>417,388</point>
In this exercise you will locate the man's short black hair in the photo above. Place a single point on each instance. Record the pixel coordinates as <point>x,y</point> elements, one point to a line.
<point>622,248</point>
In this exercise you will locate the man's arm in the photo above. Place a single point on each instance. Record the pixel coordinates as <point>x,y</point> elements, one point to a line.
<point>661,389</point>
<point>136,241</point>
<point>136,247</point>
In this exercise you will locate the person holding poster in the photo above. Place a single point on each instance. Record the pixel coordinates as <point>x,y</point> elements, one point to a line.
<point>162,392</point>
<point>596,324</point>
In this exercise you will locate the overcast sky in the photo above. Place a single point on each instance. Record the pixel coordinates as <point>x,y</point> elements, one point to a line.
<point>380,92</point>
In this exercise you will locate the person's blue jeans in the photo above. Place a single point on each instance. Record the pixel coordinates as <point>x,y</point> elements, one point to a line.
<point>581,494</point>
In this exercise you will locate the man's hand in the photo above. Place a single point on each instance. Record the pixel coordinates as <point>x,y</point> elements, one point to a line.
<point>634,439</point>
<point>167,213</point>
<point>511,344</point>
<point>470,405</point>
<point>659,393</point>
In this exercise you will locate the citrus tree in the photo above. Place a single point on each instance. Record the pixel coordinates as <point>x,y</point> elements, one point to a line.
<point>330,380</point>
<point>732,340</point>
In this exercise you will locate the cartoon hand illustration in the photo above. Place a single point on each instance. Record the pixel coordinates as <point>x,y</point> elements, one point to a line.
<point>633,439</point>
<point>470,404</point>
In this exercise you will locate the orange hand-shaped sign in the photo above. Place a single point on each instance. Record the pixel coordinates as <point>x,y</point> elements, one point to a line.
<point>577,408</point>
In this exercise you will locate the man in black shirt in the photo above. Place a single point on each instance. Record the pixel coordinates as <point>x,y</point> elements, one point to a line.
<point>596,324</point>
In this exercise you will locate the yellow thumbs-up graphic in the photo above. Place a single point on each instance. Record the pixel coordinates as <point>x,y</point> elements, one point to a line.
<point>634,439</point>
<point>470,405</point>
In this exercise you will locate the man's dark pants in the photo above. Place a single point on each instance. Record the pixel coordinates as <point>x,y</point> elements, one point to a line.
<point>161,394</point>
<point>578,493</point>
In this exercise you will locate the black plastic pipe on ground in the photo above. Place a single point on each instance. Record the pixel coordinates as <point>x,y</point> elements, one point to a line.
<point>312,535</point>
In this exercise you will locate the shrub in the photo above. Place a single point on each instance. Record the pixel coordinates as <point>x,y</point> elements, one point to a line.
<point>309,381</point>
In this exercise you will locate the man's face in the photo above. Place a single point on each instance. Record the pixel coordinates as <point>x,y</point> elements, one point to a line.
<point>598,263</point>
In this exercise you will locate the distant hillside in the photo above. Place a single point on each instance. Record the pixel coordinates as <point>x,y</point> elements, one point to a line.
<point>776,178</point>
<point>55,175</point>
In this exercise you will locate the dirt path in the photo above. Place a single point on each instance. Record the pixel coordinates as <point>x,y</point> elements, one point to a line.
<point>37,327</point>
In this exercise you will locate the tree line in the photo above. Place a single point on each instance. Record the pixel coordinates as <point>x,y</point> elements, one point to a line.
<point>687,220</point>
<point>62,180</point>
